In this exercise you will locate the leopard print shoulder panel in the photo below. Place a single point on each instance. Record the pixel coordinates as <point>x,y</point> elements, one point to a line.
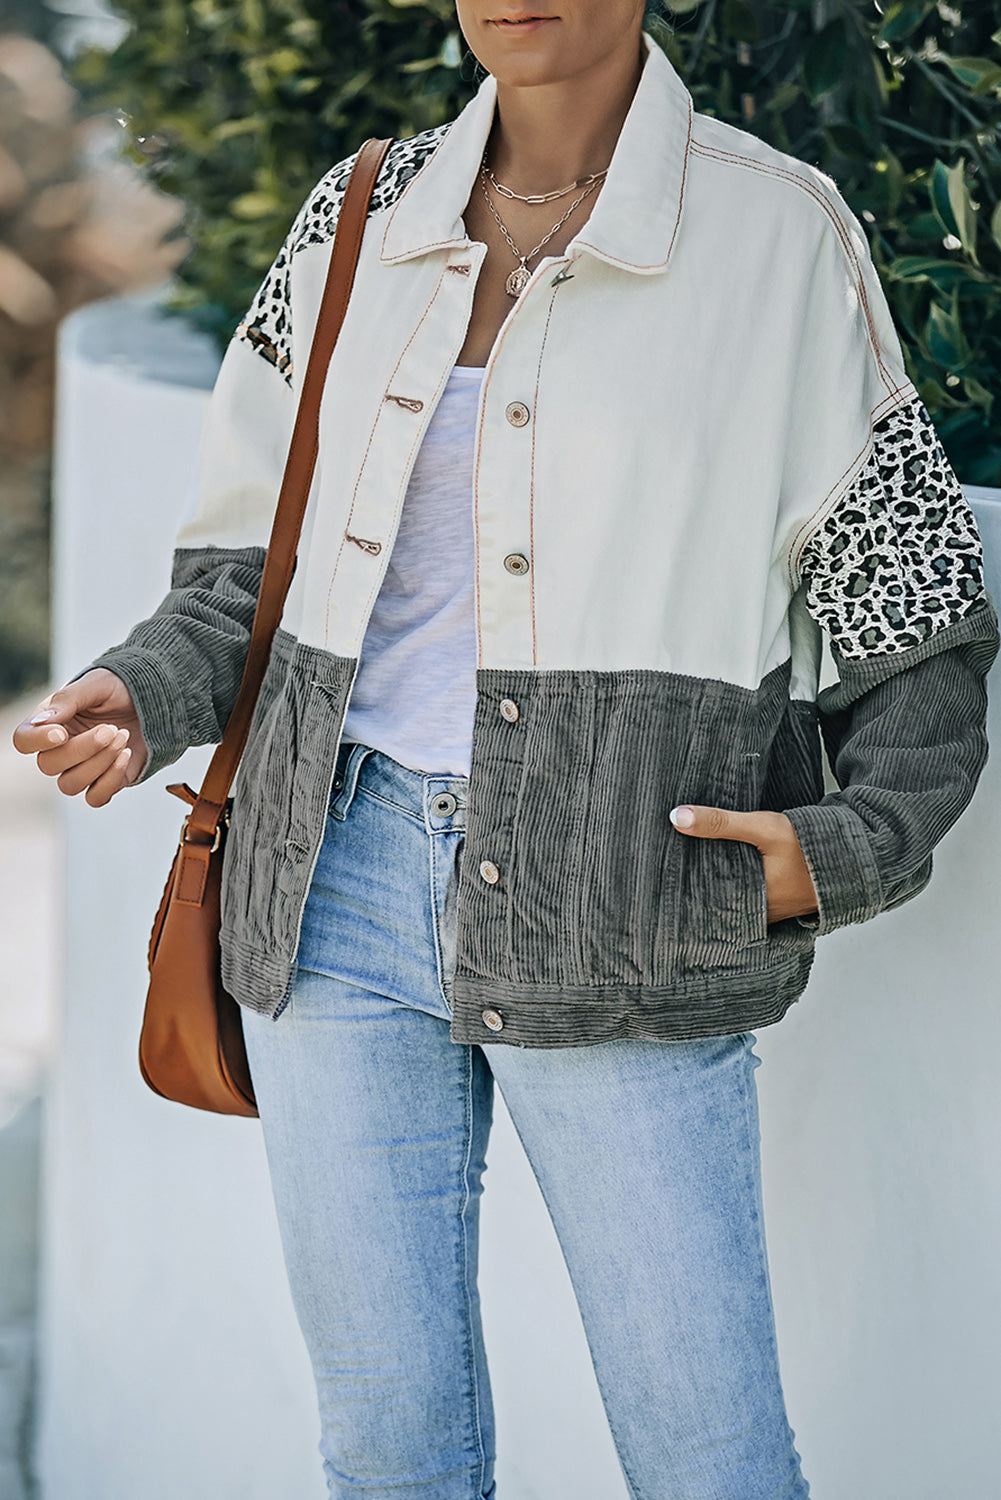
<point>898,559</point>
<point>267,326</point>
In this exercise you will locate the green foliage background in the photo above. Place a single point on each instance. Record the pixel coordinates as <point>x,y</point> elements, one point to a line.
<point>240,106</point>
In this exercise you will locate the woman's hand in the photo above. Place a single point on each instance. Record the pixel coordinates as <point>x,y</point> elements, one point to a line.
<point>787,879</point>
<point>87,735</point>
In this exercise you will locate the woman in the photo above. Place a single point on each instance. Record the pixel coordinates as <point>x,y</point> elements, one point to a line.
<point>534,788</point>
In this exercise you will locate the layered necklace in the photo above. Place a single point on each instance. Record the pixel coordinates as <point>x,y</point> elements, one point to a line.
<point>583,186</point>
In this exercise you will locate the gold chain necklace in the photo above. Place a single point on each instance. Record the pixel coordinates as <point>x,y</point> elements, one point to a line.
<point>507,192</point>
<point>521,275</point>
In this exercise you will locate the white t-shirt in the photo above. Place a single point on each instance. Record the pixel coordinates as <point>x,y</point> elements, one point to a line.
<point>415,689</point>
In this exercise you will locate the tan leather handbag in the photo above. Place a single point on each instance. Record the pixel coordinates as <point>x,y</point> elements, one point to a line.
<point>191,1048</point>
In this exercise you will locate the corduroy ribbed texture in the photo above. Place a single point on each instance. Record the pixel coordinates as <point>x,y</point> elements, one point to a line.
<point>279,812</point>
<point>907,755</point>
<point>604,921</point>
<point>184,664</point>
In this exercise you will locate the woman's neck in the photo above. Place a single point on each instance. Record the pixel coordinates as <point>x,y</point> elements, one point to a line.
<point>547,135</point>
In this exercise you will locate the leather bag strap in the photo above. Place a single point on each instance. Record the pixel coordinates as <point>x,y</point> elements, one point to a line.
<point>203,820</point>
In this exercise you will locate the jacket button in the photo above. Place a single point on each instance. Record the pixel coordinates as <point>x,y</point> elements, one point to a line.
<point>492,1020</point>
<point>516,564</point>
<point>510,710</point>
<point>517,414</point>
<point>489,872</point>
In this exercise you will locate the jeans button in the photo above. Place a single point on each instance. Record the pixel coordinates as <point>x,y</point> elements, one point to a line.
<point>444,805</point>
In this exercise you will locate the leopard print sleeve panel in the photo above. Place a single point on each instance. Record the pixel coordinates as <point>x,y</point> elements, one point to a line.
<point>898,559</point>
<point>267,325</point>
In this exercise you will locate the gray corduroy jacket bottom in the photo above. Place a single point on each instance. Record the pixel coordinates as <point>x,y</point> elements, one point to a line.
<point>604,921</point>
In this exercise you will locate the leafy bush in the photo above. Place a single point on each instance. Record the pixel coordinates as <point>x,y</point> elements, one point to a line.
<point>239,106</point>
<point>901,104</point>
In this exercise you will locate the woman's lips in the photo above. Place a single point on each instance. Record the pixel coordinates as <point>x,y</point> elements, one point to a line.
<point>514,26</point>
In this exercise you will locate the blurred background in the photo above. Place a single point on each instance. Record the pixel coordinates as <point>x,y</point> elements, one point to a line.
<point>152,157</point>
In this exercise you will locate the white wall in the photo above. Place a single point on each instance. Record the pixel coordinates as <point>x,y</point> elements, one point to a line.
<point>882,1157</point>
<point>171,1364</point>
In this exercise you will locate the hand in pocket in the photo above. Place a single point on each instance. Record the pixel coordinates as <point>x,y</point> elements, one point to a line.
<point>790,889</point>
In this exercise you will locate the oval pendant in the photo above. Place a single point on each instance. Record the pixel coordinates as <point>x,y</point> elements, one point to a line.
<point>518,281</point>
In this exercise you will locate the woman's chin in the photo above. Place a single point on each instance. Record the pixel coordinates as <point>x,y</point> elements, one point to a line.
<point>528,53</point>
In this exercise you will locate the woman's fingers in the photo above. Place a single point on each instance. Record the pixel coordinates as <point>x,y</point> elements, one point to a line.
<point>58,708</point>
<point>95,697</point>
<point>30,737</point>
<point>78,750</point>
<point>111,781</point>
<point>85,774</point>
<point>97,758</point>
<point>765,830</point>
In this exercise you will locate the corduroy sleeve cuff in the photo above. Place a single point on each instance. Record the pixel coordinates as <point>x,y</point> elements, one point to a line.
<point>159,703</point>
<point>839,856</point>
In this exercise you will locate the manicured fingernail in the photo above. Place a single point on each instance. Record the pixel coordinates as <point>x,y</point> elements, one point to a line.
<point>105,734</point>
<point>682,817</point>
<point>42,715</point>
<point>56,736</point>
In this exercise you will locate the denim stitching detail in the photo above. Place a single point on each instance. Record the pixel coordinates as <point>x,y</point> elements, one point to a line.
<point>367,791</point>
<point>436,918</point>
<point>371,439</point>
<point>659,265</point>
<point>338,807</point>
<point>839,226</point>
<point>749,1089</point>
<point>531,482</point>
<point>464,1268</point>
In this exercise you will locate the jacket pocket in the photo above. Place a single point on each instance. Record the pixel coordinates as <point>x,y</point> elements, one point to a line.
<point>724,902</point>
<point>262,805</point>
<point>723,909</point>
<point>282,793</point>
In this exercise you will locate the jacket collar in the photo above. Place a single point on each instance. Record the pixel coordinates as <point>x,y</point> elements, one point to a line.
<point>635,220</point>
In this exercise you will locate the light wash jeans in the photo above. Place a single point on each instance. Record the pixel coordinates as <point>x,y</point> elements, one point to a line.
<point>376,1126</point>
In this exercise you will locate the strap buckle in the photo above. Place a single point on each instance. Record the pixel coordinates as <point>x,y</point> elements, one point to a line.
<point>218,832</point>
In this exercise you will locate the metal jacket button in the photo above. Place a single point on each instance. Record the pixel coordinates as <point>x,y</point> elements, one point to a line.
<point>444,805</point>
<point>489,872</point>
<point>517,413</point>
<point>516,564</point>
<point>510,710</point>
<point>492,1020</point>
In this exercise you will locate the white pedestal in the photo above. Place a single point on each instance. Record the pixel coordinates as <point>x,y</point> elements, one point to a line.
<point>171,1362</point>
